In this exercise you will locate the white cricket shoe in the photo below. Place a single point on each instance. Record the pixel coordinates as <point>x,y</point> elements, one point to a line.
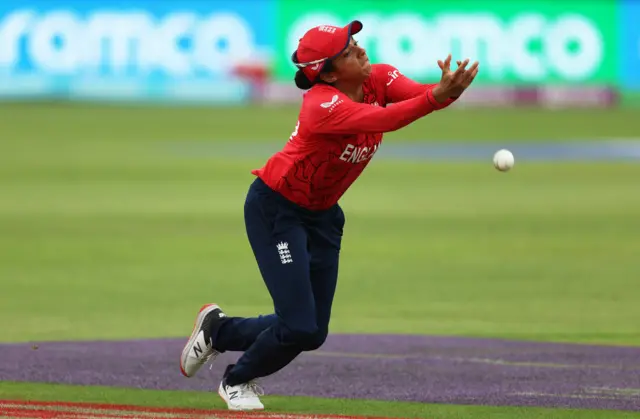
<point>241,397</point>
<point>199,348</point>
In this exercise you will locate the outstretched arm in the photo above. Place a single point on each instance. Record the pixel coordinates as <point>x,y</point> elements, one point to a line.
<point>399,87</point>
<point>343,116</point>
<point>348,117</point>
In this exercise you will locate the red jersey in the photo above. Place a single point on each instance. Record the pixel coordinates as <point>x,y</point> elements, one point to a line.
<point>335,137</point>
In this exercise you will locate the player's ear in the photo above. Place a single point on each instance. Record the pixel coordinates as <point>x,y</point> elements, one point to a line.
<point>328,73</point>
<point>328,77</point>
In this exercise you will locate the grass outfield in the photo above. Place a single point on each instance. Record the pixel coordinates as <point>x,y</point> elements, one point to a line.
<point>546,252</point>
<point>74,123</point>
<point>105,233</point>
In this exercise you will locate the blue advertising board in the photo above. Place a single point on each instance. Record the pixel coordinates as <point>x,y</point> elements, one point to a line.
<point>153,49</point>
<point>173,50</point>
<point>630,44</point>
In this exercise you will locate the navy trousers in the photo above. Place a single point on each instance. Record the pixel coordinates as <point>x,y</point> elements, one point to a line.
<point>297,251</point>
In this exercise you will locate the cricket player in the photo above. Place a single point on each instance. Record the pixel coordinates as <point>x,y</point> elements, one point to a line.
<point>293,220</point>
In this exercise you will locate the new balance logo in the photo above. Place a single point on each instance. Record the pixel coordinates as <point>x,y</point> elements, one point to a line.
<point>285,254</point>
<point>327,28</point>
<point>197,350</point>
<point>233,395</point>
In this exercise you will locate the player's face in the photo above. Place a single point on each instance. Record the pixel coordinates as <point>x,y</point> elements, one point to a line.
<point>353,64</point>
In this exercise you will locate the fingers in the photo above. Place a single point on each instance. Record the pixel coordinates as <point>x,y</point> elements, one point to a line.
<point>462,77</point>
<point>471,72</point>
<point>462,73</point>
<point>461,69</point>
<point>447,63</point>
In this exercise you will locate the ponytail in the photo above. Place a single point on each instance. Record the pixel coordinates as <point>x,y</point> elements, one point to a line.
<point>302,82</point>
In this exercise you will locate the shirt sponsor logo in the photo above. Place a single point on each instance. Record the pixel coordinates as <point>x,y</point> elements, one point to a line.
<point>335,101</point>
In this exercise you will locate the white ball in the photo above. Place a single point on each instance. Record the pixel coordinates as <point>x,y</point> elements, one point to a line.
<point>503,160</point>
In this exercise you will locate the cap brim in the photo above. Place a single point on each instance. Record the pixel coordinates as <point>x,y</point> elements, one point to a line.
<point>354,27</point>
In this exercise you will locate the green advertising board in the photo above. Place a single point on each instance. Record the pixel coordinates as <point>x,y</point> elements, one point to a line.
<point>516,42</point>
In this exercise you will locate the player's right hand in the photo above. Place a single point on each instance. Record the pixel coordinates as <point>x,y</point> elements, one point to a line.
<point>453,83</point>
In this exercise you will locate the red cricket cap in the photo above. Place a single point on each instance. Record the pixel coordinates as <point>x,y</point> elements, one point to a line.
<point>320,44</point>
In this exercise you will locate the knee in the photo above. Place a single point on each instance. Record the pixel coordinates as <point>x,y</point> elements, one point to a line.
<point>310,340</point>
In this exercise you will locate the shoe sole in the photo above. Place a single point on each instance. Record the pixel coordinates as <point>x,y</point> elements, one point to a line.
<point>234,408</point>
<point>206,309</point>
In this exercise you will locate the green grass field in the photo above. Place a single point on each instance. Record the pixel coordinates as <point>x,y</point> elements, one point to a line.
<point>119,222</point>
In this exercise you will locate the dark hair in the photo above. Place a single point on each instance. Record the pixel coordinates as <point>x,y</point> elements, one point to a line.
<point>301,80</point>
